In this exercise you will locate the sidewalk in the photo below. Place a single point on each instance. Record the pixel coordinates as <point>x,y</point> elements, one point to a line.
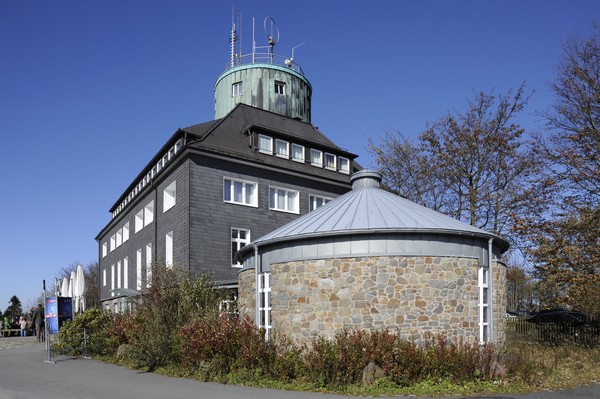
<point>24,373</point>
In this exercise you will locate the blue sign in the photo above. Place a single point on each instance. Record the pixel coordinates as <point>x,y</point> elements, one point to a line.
<point>58,311</point>
<point>52,315</point>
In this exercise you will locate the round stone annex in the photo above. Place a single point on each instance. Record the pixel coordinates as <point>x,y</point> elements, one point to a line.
<point>372,260</point>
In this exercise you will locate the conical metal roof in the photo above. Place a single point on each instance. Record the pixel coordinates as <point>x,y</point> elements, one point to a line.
<point>369,209</point>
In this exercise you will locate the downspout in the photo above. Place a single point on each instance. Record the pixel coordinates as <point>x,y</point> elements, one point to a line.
<point>490,292</point>
<point>256,293</point>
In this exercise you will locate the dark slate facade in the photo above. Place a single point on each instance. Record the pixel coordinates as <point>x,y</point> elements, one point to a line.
<point>204,161</point>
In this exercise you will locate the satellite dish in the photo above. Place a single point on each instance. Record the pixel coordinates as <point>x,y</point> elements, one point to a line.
<point>271,30</point>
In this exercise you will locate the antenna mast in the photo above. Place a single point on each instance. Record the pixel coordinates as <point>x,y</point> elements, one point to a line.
<point>233,40</point>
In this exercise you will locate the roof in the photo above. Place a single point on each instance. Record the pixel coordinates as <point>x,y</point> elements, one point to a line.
<point>369,209</point>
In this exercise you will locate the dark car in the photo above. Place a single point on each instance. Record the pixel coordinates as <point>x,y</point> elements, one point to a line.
<point>558,316</point>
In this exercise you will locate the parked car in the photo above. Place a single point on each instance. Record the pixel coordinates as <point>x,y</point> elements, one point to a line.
<point>558,316</point>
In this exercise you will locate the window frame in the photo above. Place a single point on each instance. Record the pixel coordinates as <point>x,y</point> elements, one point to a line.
<point>264,302</point>
<point>285,155</point>
<point>262,149</point>
<point>245,183</point>
<point>170,196</point>
<point>326,163</point>
<point>239,243</point>
<point>344,165</point>
<point>274,206</point>
<point>293,154</point>
<point>313,197</point>
<point>279,88</point>
<point>169,249</point>
<point>314,151</point>
<point>237,89</point>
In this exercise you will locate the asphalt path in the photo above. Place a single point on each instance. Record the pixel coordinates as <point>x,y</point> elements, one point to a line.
<point>25,373</point>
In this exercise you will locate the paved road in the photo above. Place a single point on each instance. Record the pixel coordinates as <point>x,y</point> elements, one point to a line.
<point>26,374</point>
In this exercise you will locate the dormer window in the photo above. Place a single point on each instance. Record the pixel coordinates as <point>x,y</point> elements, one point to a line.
<point>344,165</point>
<point>265,144</point>
<point>282,148</point>
<point>316,158</point>
<point>330,161</point>
<point>280,88</point>
<point>297,152</point>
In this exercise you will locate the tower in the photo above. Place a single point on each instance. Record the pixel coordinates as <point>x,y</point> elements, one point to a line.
<point>262,78</point>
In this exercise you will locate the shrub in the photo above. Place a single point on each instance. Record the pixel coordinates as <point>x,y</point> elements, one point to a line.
<point>96,323</point>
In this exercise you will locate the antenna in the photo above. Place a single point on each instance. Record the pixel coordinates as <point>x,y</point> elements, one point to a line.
<point>235,20</point>
<point>290,61</point>
<point>272,32</point>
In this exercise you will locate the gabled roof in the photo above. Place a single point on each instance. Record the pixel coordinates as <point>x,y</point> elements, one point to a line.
<point>369,209</point>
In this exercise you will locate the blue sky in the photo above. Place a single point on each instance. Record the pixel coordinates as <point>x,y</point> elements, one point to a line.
<point>90,91</point>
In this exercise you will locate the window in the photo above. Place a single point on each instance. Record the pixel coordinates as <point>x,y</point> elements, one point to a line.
<point>113,242</point>
<point>112,280</point>
<point>139,220</point>
<point>279,88</point>
<point>169,249</point>
<point>138,269</point>
<point>316,158</point>
<point>119,237</point>
<point>330,161</point>
<point>283,200</point>
<point>237,89</point>
<point>126,232</point>
<point>239,238</point>
<point>149,213</point>
<point>282,148</point>
<point>239,192</point>
<point>316,202</point>
<point>265,144</point>
<point>484,300</point>
<point>264,306</point>
<point>344,165</point>
<point>104,277</point>
<point>126,272</point>
<point>104,248</point>
<point>148,265</point>
<point>119,274</point>
<point>297,153</point>
<point>170,196</point>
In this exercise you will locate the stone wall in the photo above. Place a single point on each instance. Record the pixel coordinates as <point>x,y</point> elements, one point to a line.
<point>246,294</point>
<point>415,297</point>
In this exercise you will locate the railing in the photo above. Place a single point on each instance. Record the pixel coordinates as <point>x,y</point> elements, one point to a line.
<point>264,58</point>
<point>585,333</point>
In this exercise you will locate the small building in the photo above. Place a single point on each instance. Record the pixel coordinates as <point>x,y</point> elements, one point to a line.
<point>372,260</point>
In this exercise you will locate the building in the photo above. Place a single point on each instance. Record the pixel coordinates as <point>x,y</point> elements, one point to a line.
<point>214,186</point>
<point>372,260</point>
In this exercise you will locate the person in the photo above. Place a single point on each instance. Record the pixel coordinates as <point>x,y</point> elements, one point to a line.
<point>23,325</point>
<point>38,322</point>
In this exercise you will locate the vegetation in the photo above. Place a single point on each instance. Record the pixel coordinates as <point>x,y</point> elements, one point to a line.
<point>540,192</point>
<point>178,330</point>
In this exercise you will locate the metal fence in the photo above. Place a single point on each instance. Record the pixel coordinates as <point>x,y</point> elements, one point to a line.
<point>585,333</point>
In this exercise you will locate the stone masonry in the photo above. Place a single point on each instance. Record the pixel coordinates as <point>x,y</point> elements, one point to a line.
<point>414,297</point>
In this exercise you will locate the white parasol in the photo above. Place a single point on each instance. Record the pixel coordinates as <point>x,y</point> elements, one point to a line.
<point>64,288</point>
<point>71,284</point>
<point>79,290</point>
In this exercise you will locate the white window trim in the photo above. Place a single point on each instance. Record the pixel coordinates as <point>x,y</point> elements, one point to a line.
<point>281,85</point>
<point>104,249</point>
<point>169,249</point>
<point>325,156</point>
<point>138,267</point>
<point>484,313</point>
<point>313,197</point>
<point>170,196</point>
<point>126,272</point>
<point>318,164</point>
<point>286,155</point>
<point>237,89</point>
<point>261,148</point>
<point>253,199</point>
<point>273,207</point>
<point>148,265</point>
<point>344,169</point>
<point>240,242</point>
<point>295,159</point>
<point>263,316</point>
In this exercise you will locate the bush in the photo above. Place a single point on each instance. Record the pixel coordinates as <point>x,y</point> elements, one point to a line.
<point>96,323</point>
